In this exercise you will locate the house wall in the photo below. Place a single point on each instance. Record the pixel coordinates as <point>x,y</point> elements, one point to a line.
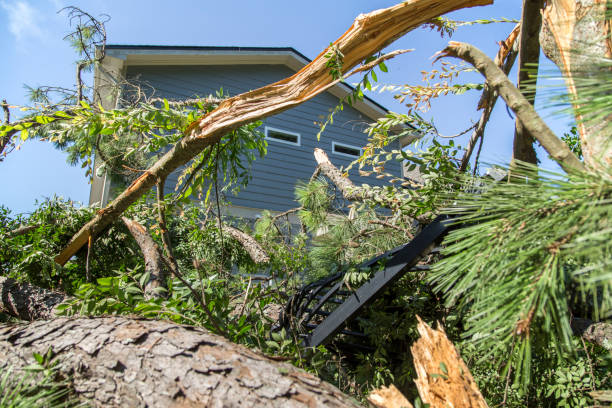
<point>275,176</point>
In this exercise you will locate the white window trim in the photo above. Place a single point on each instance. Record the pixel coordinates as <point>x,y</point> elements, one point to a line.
<point>299,137</point>
<point>334,144</point>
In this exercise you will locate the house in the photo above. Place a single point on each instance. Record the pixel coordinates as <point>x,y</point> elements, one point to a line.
<point>179,72</point>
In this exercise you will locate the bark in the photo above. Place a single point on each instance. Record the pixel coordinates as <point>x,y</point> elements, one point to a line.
<point>122,362</point>
<point>368,34</point>
<point>529,55</point>
<point>505,60</point>
<point>154,264</point>
<point>443,378</point>
<point>26,301</point>
<point>22,230</point>
<point>599,333</point>
<point>523,110</point>
<point>576,36</point>
<point>4,141</point>
<point>255,251</point>
<point>349,190</point>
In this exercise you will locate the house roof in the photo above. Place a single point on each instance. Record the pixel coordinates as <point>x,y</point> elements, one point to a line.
<point>213,55</point>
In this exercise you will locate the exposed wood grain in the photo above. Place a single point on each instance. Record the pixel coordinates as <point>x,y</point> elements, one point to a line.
<point>443,378</point>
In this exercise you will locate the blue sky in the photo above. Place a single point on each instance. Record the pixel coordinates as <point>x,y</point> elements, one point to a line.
<point>34,53</point>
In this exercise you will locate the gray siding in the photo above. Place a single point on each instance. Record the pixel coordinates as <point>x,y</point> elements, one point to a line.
<point>274,177</point>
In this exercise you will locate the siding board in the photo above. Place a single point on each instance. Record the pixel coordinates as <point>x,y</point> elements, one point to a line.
<point>275,176</point>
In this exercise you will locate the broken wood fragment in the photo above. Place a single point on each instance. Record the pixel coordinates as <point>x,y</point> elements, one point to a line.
<point>443,378</point>
<point>388,397</point>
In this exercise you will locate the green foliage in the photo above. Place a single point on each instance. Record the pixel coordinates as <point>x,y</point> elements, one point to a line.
<point>522,248</point>
<point>31,256</point>
<point>38,385</point>
<point>572,138</point>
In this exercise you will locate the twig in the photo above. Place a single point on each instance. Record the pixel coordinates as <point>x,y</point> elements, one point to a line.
<point>88,259</point>
<point>196,295</point>
<point>246,296</point>
<point>408,233</point>
<point>216,181</point>
<point>7,112</point>
<point>161,216</point>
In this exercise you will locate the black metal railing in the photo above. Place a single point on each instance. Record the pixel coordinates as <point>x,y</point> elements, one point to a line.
<point>323,309</point>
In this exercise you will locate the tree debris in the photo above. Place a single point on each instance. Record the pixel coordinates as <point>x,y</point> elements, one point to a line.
<point>443,378</point>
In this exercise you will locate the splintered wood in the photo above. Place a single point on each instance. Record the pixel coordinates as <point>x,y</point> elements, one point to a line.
<point>443,378</point>
<point>388,397</point>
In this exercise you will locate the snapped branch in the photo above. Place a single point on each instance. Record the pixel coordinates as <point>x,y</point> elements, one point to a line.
<point>521,107</point>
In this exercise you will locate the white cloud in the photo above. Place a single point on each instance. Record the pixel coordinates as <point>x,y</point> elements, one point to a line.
<point>24,21</point>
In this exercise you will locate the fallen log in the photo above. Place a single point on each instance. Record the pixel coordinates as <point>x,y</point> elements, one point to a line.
<point>127,362</point>
<point>369,34</point>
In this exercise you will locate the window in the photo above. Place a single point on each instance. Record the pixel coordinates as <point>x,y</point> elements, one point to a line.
<point>283,136</point>
<point>346,150</point>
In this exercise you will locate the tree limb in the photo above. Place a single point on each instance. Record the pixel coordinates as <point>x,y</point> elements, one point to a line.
<point>505,58</point>
<point>152,257</point>
<point>22,230</point>
<point>28,302</point>
<point>369,34</point>
<point>517,102</point>
<point>256,252</point>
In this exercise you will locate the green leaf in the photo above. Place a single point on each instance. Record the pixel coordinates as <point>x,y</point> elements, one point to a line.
<point>383,67</point>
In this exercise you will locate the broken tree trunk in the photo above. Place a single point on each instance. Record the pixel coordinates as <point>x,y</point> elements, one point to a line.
<point>576,37</point>
<point>368,34</point>
<point>529,56</point>
<point>443,378</point>
<point>123,362</point>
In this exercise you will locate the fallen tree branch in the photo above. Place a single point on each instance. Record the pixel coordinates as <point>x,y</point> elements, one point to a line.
<point>388,397</point>
<point>28,302</point>
<point>127,362</point>
<point>517,102</point>
<point>444,380</point>
<point>349,190</point>
<point>152,257</point>
<point>22,230</point>
<point>369,34</point>
<point>505,58</point>
<point>599,333</point>
<point>256,252</point>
